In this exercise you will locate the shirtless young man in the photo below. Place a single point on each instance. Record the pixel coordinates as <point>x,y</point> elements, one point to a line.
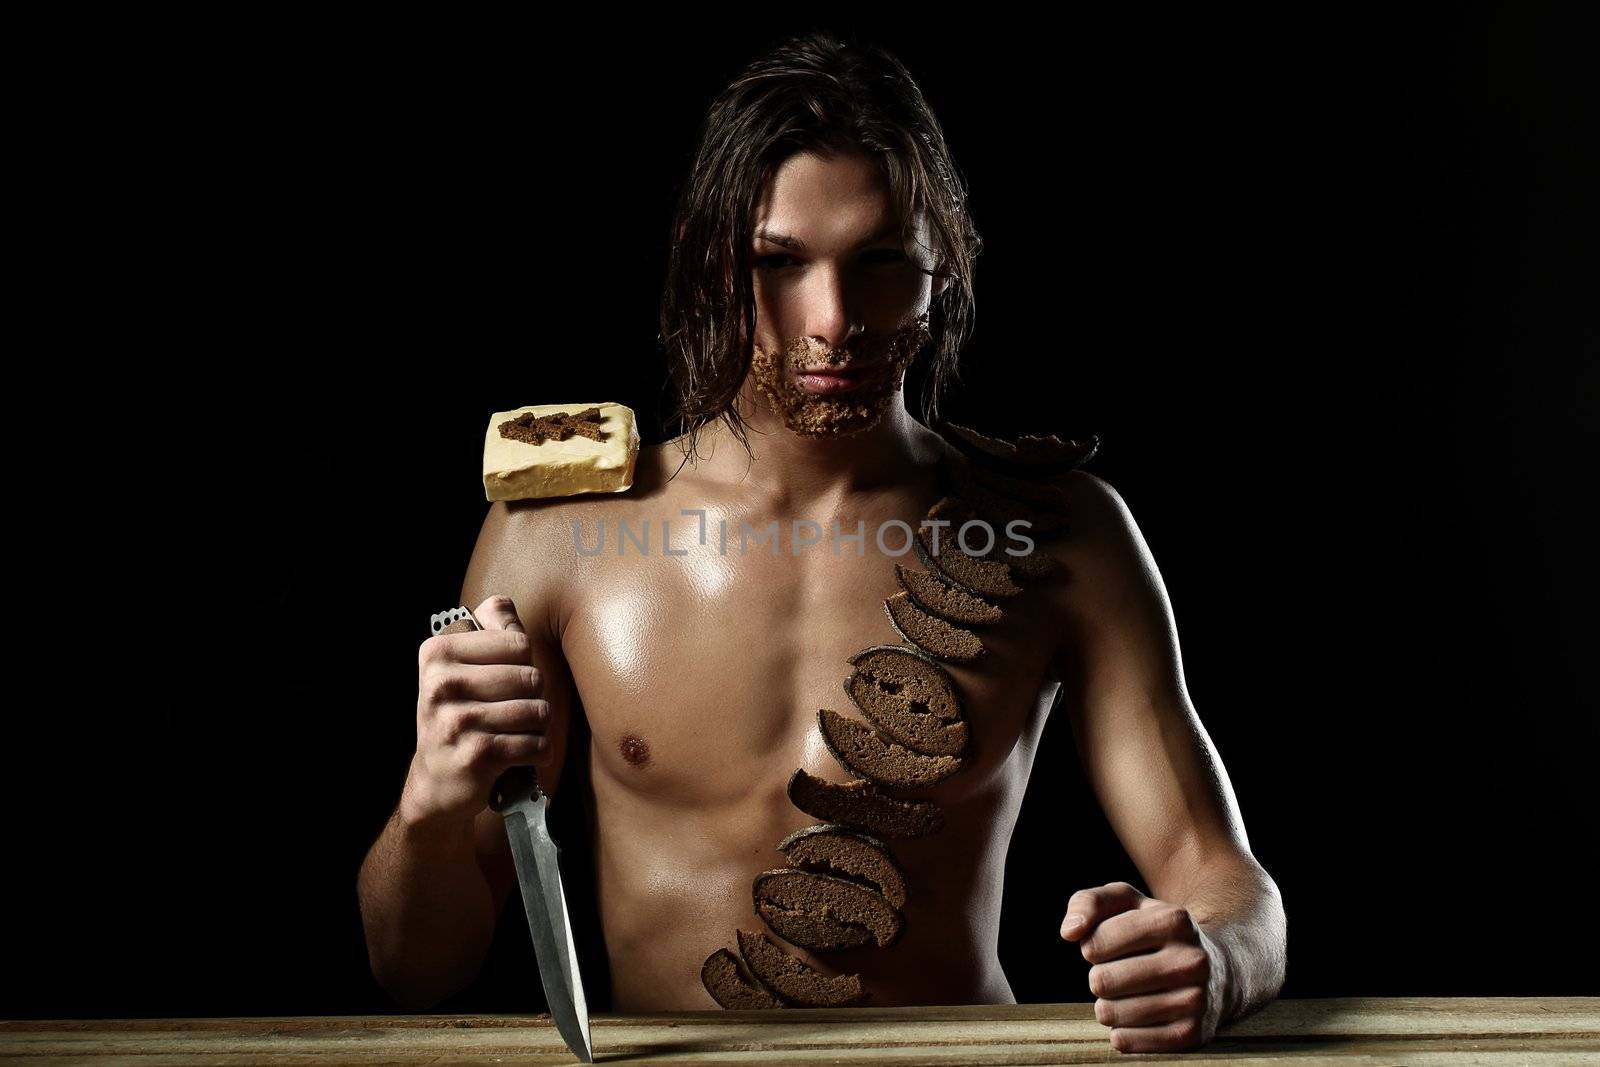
<point>700,675</point>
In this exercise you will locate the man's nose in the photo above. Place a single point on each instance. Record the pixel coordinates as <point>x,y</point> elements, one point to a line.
<point>831,316</point>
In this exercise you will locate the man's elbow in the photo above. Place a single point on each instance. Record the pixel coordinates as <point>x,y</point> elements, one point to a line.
<point>1279,919</point>
<point>1271,936</point>
<point>411,987</point>
<point>407,993</point>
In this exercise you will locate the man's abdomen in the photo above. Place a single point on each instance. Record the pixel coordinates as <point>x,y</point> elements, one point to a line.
<point>675,883</point>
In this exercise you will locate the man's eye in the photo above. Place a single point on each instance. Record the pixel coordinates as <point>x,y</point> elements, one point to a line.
<point>876,256</point>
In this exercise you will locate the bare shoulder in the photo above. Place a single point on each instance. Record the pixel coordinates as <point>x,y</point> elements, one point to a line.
<point>513,557</point>
<point>1100,521</point>
<point>1115,614</point>
<point>528,549</point>
<point>1085,490</point>
<point>1107,561</point>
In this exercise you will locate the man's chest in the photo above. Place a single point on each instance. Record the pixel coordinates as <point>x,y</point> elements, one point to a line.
<point>702,672</point>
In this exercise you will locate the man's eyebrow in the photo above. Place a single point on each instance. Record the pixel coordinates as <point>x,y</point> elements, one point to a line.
<point>892,228</point>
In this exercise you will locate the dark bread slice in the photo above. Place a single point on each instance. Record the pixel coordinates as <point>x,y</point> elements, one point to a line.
<point>867,753</point>
<point>795,980</point>
<point>946,601</point>
<point>824,913</point>
<point>1032,564</point>
<point>829,848</point>
<point>1044,454</point>
<point>980,577</point>
<point>725,977</point>
<point>860,806</point>
<point>930,633</point>
<point>909,697</point>
<point>818,932</point>
<point>1046,496</point>
<point>999,511</point>
<point>902,671</point>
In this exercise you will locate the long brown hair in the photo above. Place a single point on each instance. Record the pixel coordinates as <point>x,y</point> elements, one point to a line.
<point>814,92</point>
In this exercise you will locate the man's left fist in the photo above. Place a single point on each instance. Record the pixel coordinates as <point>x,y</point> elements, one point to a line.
<point>1157,975</point>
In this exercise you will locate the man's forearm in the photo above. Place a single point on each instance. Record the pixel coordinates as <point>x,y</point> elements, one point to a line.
<point>1242,911</point>
<point>427,910</point>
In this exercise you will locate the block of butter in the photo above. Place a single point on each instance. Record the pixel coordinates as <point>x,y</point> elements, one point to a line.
<point>559,450</point>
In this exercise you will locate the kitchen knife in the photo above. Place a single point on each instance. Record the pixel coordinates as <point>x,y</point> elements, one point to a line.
<point>519,800</point>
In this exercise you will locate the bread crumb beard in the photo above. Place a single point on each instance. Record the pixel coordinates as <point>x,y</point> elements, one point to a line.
<point>847,412</point>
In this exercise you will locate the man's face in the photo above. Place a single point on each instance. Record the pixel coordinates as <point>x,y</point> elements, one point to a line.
<point>835,290</point>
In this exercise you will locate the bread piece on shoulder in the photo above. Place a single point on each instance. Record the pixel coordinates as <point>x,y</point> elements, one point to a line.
<point>1032,565</point>
<point>1044,455</point>
<point>1000,511</point>
<point>1046,496</point>
<point>549,450</point>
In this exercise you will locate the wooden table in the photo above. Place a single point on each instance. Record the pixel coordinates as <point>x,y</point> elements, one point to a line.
<point>1500,1030</point>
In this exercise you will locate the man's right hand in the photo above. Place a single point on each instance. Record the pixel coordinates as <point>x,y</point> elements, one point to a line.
<point>478,714</point>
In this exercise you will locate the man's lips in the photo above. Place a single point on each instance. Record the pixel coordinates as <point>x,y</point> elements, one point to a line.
<point>832,378</point>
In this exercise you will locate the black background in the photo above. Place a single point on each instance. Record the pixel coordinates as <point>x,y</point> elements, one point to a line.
<point>1315,277</point>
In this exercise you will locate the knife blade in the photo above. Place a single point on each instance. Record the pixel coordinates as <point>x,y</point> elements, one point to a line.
<point>517,798</point>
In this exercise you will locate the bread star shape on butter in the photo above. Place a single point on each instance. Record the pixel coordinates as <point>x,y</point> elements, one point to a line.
<point>537,429</point>
<point>550,450</point>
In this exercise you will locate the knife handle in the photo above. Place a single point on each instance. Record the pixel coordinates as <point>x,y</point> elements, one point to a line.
<point>517,782</point>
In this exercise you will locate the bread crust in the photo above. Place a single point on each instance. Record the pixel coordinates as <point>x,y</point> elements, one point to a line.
<point>861,806</point>
<point>796,981</point>
<point>861,749</point>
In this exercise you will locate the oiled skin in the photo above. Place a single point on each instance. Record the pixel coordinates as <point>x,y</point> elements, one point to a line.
<point>701,676</point>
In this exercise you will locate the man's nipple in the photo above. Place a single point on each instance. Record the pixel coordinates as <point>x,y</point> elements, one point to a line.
<point>634,750</point>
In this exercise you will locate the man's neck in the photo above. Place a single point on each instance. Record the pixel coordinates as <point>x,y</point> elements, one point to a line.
<point>817,473</point>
